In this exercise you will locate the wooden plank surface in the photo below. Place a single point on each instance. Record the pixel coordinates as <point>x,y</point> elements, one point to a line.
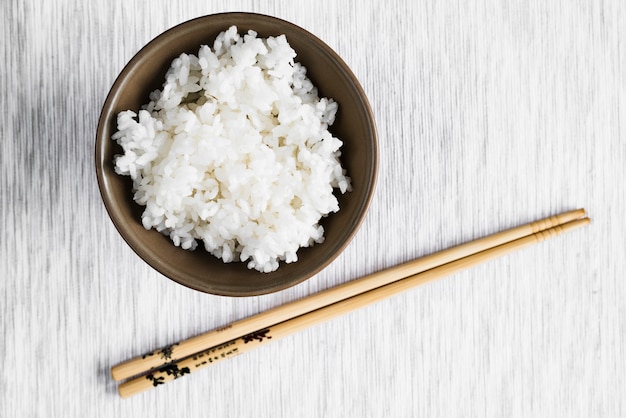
<point>490,114</point>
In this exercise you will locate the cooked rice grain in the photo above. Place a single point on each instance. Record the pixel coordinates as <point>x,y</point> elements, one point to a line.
<point>234,151</point>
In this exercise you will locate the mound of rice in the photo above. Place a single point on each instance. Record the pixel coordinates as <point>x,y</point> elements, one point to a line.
<point>234,151</point>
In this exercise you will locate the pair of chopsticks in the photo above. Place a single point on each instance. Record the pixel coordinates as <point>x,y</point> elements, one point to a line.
<point>171,362</point>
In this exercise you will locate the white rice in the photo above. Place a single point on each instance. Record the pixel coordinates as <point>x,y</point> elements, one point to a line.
<point>235,152</point>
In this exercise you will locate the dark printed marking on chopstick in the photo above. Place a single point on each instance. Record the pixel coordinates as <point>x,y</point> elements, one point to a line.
<point>216,353</point>
<point>224,328</point>
<point>224,351</point>
<point>171,369</point>
<point>165,352</point>
<point>257,335</point>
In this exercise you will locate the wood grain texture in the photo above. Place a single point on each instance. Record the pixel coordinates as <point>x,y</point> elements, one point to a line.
<point>491,114</point>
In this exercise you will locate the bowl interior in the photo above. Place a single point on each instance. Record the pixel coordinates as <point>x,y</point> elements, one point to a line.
<point>198,269</point>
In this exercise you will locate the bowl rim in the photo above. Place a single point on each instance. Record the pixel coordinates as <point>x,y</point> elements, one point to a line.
<point>107,112</point>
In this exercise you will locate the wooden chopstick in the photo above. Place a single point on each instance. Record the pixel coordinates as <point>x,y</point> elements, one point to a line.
<point>142,364</point>
<point>274,332</point>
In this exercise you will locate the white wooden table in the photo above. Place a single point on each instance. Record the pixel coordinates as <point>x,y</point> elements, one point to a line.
<point>490,114</point>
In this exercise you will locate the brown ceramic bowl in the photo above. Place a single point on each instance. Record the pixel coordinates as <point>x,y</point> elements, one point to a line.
<point>354,125</point>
